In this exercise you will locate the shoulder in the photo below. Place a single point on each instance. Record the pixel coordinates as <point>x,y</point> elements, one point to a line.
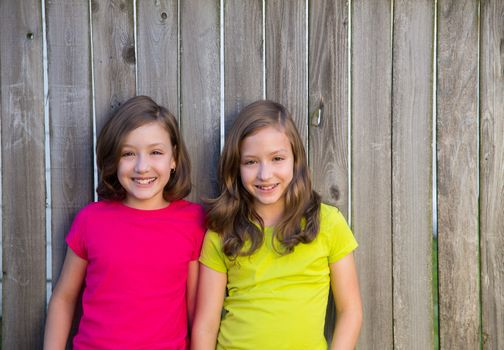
<point>189,214</point>
<point>330,214</point>
<point>95,208</point>
<point>189,208</point>
<point>213,236</point>
<point>331,219</point>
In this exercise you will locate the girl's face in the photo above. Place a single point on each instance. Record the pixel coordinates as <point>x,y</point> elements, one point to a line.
<point>145,165</point>
<point>266,170</point>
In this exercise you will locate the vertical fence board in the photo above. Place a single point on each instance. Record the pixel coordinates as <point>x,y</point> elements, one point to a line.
<point>328,106</point>
<point>243,56</point>
<point>157,52</point>
<point>113,56</point>
<point>457,154</point>
<point>492,173</point>
<point>23,180</point>
<point>200,87</point>
<point>371,166</point>
<point>412,174</point>
<point>286,75</point>
<point>71,123</point>
<point>328,89</point>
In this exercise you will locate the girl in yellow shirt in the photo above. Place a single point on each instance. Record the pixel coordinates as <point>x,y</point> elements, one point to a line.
<point>273,247</point>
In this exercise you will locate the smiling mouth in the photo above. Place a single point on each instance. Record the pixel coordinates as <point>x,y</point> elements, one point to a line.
<point>267,187</point>
<point>145,181</point>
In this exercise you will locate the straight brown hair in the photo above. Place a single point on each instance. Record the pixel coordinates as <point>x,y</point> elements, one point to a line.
<point>136,112</point>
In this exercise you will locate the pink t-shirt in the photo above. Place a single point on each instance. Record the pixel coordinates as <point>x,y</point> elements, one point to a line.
<point>135,286</point>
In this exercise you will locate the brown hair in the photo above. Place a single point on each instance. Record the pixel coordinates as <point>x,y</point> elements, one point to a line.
<point>136,112</point>
<point>232,213</point>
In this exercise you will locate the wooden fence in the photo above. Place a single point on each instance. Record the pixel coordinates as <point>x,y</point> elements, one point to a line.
<point>390,97</point>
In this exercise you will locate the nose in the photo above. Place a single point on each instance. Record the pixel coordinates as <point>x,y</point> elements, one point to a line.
<point>141,164</point>
<point>264,172</point>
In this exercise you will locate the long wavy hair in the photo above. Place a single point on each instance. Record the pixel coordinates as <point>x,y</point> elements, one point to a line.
<point>232,213</point>
<point>134,113</point>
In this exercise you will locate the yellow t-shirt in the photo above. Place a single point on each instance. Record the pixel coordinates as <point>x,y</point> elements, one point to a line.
<point>279,301</point>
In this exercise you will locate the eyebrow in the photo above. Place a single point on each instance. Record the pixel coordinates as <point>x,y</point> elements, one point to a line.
<point>149,145</point>
<point>281,150</point>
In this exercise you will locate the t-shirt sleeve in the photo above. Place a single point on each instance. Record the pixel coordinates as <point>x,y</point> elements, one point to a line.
<point>342,240</point>
<point>76,236</point>
<point>212,255</point>
<point>199,233</point>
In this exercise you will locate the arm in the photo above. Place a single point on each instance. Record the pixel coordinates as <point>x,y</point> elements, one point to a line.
<point>192,284</point>
<point>211,293</point>
<point>345,287</point>
<point>63,300</point>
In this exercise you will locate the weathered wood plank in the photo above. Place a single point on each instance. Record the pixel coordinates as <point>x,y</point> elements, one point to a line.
<point>371,166</point>
<point>412,174</point>
<point>157,52</point>
<point>200,88</point>
<point>328,106</point>
<point>113,56</point>
<point>492,173</point>
<point>71,118</point>
<point>328,119</point>
<point>457,154</point>
<point>23,174</point>
<point>243,56</point>
<point>286,66</point>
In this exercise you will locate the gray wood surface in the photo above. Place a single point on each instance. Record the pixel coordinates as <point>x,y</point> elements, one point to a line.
<point>412,174</point>
<point>23,179</point>
<point>243,56</point>
<point>157,66</point>
<point>200,88</point>
<point>371,166</point>
<point>113,56</point>
<point>328,102</point>
<point>328,107</point>
<point>71,118</point>
<point>492,173</point>
<point>457,174</point>
<point>286,55</point>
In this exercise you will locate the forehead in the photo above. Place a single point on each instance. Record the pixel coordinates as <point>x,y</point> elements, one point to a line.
<point>266,140</point>
<point>148,132</point>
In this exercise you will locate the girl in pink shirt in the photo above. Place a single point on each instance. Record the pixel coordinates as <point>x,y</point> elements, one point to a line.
<point>135,251</point>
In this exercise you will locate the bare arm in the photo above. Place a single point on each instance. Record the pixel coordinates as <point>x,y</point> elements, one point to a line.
<point>211,293</point>
<point>345,287</point>
<point>63,300</point>
<point>192,285</point>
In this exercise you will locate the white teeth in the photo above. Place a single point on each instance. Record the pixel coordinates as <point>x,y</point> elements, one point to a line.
<point>266,188</point>
<point>144,181</point>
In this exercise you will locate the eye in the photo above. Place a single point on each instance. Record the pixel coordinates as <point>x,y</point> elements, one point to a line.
<point>249,162</point>
<point>157,153</point>
<point>278,158</point>
<point>127,154</point>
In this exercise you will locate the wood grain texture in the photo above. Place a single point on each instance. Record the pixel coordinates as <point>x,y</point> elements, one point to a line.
<point>243,56</point>
<point>412,174</point>
<point>328,92</point>
<point>113,56</point>
<point>457,156</point>
<point>371,167</point>
<point>23,179</point>
<point>492,173</point>
<point>328,77</point>
<point>200,87</point>
<point>157,66</point>
<point>286,66</point>
<point>71,118</point>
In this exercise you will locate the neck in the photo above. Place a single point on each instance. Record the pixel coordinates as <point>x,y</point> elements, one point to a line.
<point>270,217</point>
